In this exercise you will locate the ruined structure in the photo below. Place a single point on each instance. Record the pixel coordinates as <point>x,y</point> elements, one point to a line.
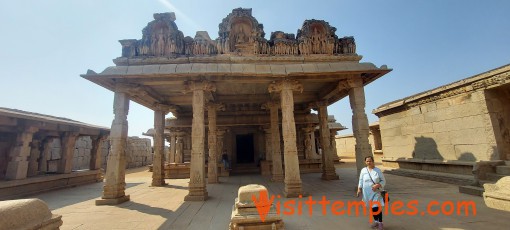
<point>236,94</point>
<point>29,160</point>
<point>451,132</point>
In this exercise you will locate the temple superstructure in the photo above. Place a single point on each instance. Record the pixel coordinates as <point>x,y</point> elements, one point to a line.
<point>239,94</point>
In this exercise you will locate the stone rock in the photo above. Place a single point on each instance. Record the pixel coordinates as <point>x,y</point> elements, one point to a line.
<point>245,214</point>
<point>497,195</point>
<point>27,214</point>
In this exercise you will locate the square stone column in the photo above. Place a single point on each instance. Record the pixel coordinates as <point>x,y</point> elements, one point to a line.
<point>276,156</point>
<point>212,169</point>
<point>221,140</point>
<point>334,151</point>
<point>35,154</point>
<point>293,186</point>
<point>46,154</point>
<point>115,185</point>
<point>359,121</point>
<point>68,141</point>
<point>17,168</point>
<point>97,151</point>
<point>158,164</point>
<point>328,166</point>
<point>268,141</point>
<point>171,157</point>
<point>179,147</point>
<point>197,185</point>
<point>310,152</point>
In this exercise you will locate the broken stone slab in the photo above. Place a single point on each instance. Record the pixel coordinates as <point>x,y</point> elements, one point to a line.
<point>497,195</point>
<point>27,214</point>
<point>245,214</point>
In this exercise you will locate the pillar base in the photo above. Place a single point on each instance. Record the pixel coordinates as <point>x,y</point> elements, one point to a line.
<point>330,176</point>
<point>293,190</point>
<point>112,201</point>
<point>277,178</point>
<point>197,194</point>
<point>190,197</point>
<point>158,183</point>
<point>212,180</point>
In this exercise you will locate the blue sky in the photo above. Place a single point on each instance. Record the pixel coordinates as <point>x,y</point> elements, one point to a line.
<point>47,44</point>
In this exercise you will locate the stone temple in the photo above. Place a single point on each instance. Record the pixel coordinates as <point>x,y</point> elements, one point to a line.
<point>242,94</point>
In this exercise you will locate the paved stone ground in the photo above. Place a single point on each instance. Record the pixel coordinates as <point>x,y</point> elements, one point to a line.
<point>164,208</point>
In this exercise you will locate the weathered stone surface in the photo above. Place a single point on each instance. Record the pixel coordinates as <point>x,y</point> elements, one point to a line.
<point>498,195</point>
<point>27,214</point>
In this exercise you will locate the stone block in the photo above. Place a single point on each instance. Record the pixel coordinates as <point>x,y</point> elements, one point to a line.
<point>135,70</point>
<point>151,69</point>
<point>278,69</point>
<point>183,68</point>
<point>497,195</point>
<point>27,214</point>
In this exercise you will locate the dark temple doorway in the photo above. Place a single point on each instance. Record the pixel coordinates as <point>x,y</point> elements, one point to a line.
<point>245,148</point>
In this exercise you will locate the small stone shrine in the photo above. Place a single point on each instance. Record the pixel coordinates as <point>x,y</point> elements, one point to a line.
<point>245,213</point>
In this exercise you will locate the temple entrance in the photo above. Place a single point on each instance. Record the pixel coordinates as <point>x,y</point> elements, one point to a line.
<point>245,153</point>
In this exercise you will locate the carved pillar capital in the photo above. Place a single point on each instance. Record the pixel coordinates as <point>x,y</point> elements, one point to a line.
<point>165,108</point>
<point>191,86</point>
<point>270,105</point>
<point>278,86</point>
<point>350,83</point>
<point>215,106</point>
<point>318,104</point>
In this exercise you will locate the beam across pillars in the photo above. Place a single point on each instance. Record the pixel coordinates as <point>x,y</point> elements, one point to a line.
<point>359,120</point>
<point>328,167</point>
<point>293,185</point>
<point>197,185</point>
<point>212,169</point>
<point>276,156</point>
<point>114,185</point>
<point>17,168</point>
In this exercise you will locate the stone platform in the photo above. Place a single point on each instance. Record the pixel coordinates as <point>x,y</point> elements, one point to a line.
<point>165,208</point>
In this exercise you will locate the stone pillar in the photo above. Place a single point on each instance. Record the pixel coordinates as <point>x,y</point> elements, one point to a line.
<point>68,142</point>
<point>96,152</point>
<point>221,140</point>
<point>277,171</point>
<point>334,151</point>
<point>46,154</point>
<point>17,168</point>
<point>158,164</point>
<point>328,167</point>
<point>309,142</point>
<point>212,169</point>
<point>197,185</point>
<point>179,147</point>
<point>114,185</point>
<point>35,154</point>
<point>171,158</point>
<point>359,122</point>
<point>268,138</point>
<point>293,186</point>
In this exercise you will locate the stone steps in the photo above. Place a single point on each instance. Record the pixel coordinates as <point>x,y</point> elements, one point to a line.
<point>434,176</point>
<point>503,170</point>
<point>494,177</point>
<point>471,190</point>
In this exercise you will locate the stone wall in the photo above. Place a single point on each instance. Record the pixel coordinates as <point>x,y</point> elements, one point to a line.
<point>345,145</point>
<point>453,128</point>
<point>138,152</point>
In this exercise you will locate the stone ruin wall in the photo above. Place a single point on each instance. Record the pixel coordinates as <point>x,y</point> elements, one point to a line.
<point>138,153</point>
<point>450,128</point>
<point>345,145</point>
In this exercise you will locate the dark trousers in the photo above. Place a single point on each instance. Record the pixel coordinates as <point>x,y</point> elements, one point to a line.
<point>377,217</point>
